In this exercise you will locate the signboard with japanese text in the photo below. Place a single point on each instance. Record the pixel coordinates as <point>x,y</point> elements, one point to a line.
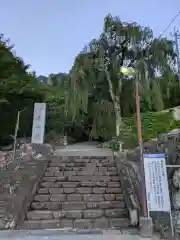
<point>38,123</point>
<point>156,183</point>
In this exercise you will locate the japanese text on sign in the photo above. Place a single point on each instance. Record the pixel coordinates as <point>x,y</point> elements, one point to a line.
<point>156,182</point>
<point>38,123</point>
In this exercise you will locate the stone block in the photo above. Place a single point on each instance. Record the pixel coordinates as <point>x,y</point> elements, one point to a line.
<point>74,197</point>
<point>55,191</point>
<point>98,190</point>
<point>80,164</point>
<point>37,205</point>
<point>58,198</point>
<point>31,224</point>
<point>93,197</point>
<point>105,205</point>
<point>52,169</point>
<point>52,205</point>
<point>70,184</point>
<point>60,175</point>
<point>102,169</point>
<point>96,173</point>
<point>111,173</point>
<point>101,184</point>
<point>118,223</point>
<point>84,190</point>
<point>82,173</point>
<point>108,164</point>
<point>73,214</point>
<point>114,169</point>
<point>101,223</point>
<point>114,184</point>
<point>59,214</point>
<point>69,173</point>
<point>114,178</point>
<point>83,223</point>
<point>109,197</point>
<point>118,204</point>
<point>113,190</point>
<point>69,190</point>
<point>146,227</point>
<point>39,215</point>
<point>43,191</point>
<point>92,205</point>
<point>78,169</point>
<point>41,198</point>
<point>88,184</point>
<point>49,179</point>
<point>46,184</point>
<point>100,178</point>
<point>81,160</point>
<point>62,179</point>
<point>114,213</point>
<point>56,163</point>
<point>71,164</point>
<point>49,174</point>
<point>56,185</point>
<point>73,206</point>
<point>93,213</point>
<point>79,178</point>
<point>58,224</point>
<point>119,197</point>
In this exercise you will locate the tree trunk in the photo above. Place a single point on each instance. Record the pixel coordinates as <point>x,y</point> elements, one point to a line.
<point>117,109</point>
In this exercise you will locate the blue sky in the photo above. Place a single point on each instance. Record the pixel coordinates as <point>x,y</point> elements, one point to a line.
<point>48,34</point>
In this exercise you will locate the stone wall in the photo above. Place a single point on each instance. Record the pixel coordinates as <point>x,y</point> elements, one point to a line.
<point>19,182</point>
<point>129,177</point>
<point>168,143</point>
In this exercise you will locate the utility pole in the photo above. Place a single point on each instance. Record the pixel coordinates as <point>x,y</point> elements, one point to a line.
<point>176,36</point>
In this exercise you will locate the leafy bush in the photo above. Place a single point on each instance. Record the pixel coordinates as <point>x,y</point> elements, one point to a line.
<point>153,124</point>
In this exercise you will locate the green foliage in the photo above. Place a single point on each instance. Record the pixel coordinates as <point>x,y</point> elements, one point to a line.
<point>153,124</point>
<point>19,90</point>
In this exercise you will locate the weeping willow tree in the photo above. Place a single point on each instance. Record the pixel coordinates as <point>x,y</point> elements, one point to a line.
<point>97,72</point>
<point>103,120</point>
<point>95,89</point>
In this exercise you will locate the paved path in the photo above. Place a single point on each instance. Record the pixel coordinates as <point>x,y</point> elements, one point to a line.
<point>84,149</point>
<point>59,235</point>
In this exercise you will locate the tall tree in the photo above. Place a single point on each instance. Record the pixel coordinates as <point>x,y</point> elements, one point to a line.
<point>123,44</point>
<point>19,89</point>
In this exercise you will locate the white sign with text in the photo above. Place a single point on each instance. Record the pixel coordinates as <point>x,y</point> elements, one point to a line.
<point>156,183</point>
<point>38,123</point>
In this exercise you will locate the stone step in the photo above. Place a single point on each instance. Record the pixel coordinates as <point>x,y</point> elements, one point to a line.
<point>75,214</point>
<point>85,178</point>
<point>83,184</point>
<point>69,159</point>
<point>74,173</point>
<point>83,190</point>
<point>118,202</point>
<point>76,184</point>
<point>102,223</point>
<point>92,197</point>
<point>80,173</point>
<point>80,169</point>
<point>63,165</point>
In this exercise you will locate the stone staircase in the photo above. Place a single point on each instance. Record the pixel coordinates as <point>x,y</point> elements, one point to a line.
<point>78,193</point>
